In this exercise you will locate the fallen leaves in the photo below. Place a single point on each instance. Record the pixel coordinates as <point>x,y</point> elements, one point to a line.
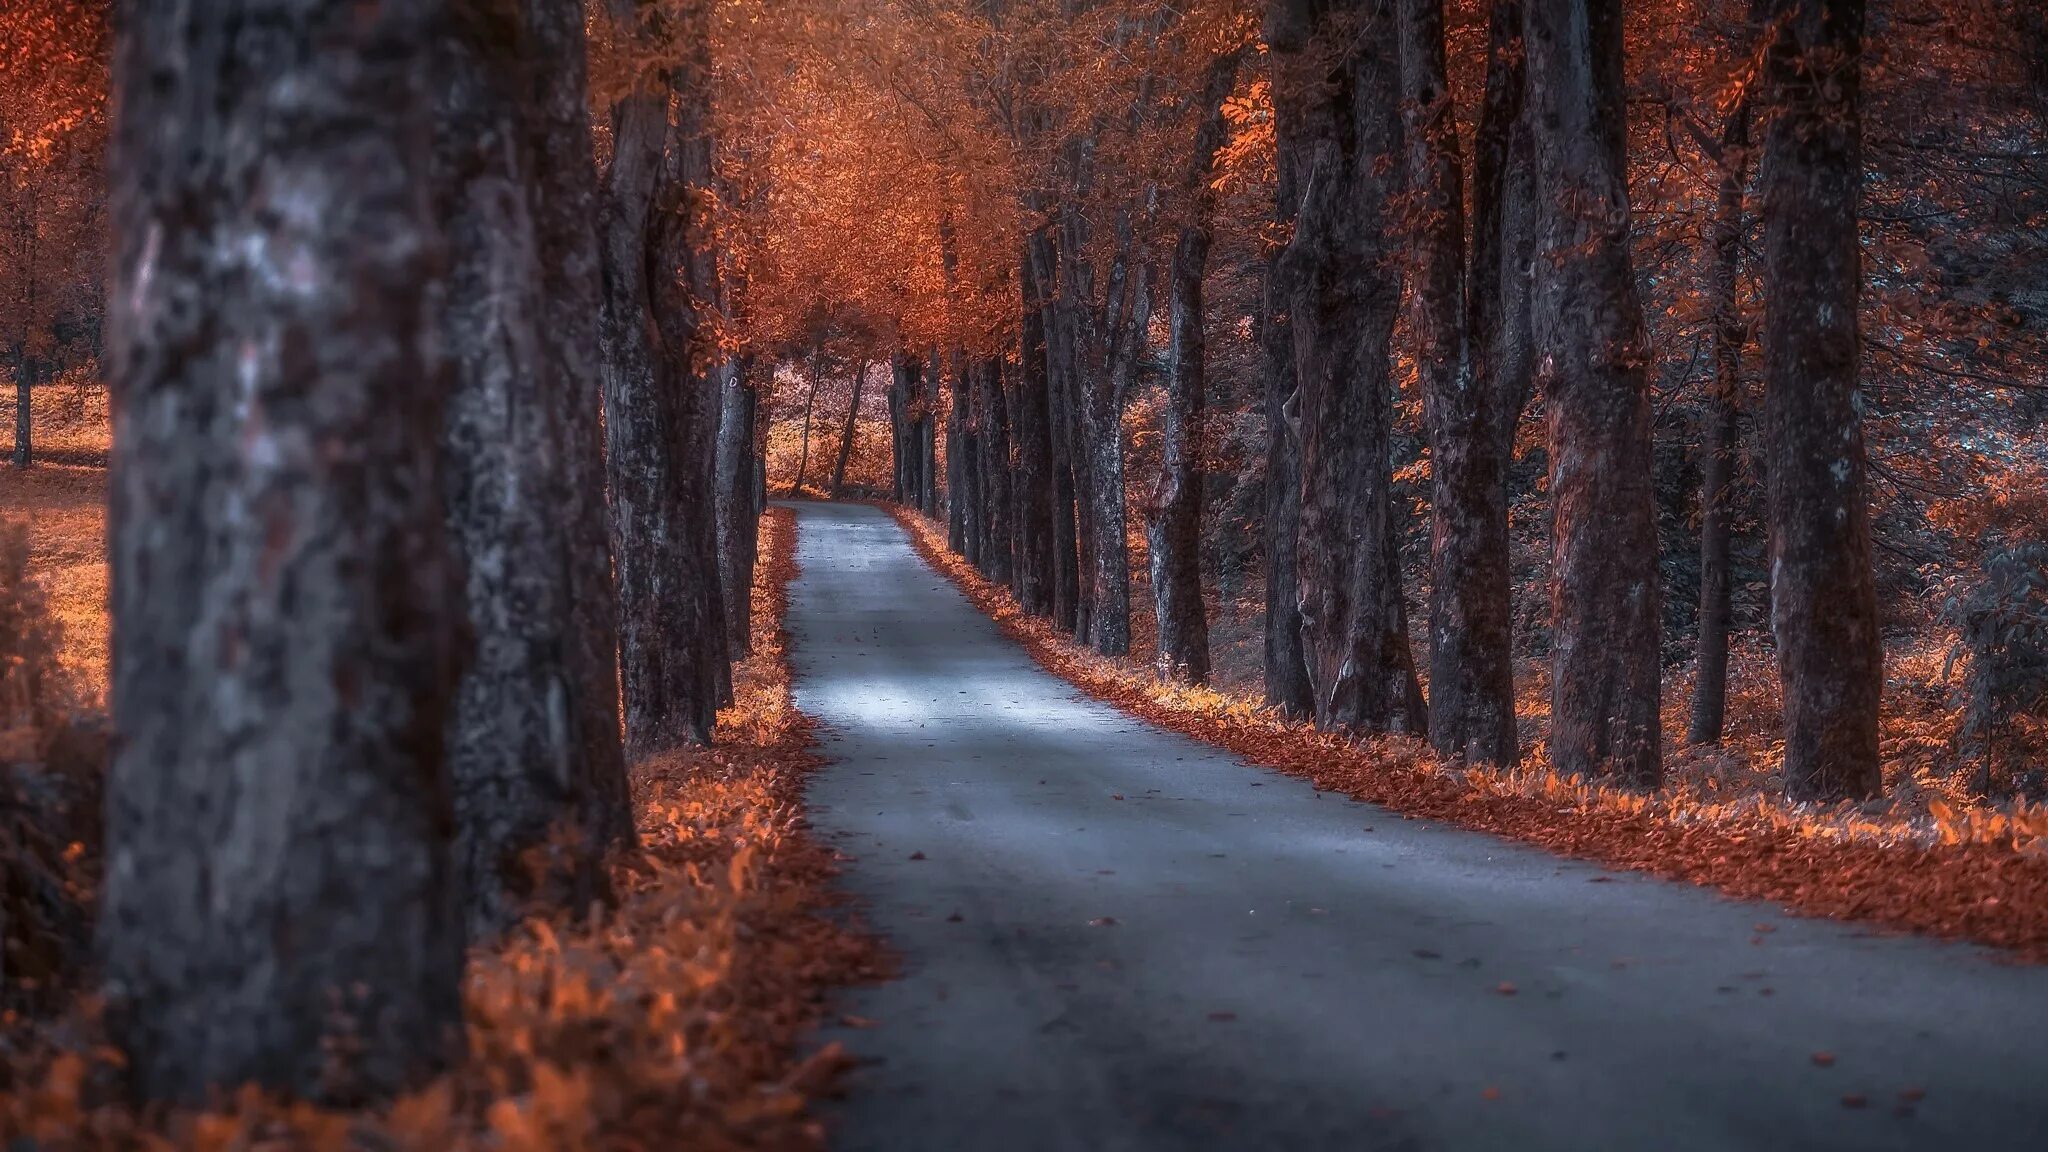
<point>1975,883</point>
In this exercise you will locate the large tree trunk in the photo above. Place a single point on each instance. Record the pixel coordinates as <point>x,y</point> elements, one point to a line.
<point>847,432</point>
<point>1285,665</point>
<point>1346,296</point>
<point>667,700</point>
<point>1128,315</point>
<point>1823,592</point>
<point>278,905</point>
<point>1471,681</point>
<point>1031,425</point>
<point>573,291</point>
<point>685,294</point>
<point>1594,357</point>
<point>959,453</point>
<point>1718,439</point>
<point>515,745</point>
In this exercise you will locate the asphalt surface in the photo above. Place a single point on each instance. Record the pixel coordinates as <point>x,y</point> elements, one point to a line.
<point>1115,938</point>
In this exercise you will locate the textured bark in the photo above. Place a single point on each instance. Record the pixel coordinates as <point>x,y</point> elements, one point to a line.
<point>1593,358</point>
<point>847,431</point>
<point>1718,439</point>
<point>667,701</point>
<point>1823,593</point>
<point>278,905</point>
<point>573,290</point>
<point>685,294</point>
<point>1173,528</point>
<point>516,744</point>
<point>1345,298</point>
<point>1471,681</point>
<point>908,421</point>
<point>1031,426</point>
<point>1504,222</point>
<point>992,443</point>
<point>1285,665</point>
<point>736,509</point>
<point>1108,379</point>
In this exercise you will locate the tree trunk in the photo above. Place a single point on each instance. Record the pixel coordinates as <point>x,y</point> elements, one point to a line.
<point>515,751</point>
<point>1031,424</point>
<point>847,432</point>
<point>736,502</point>
<point>1823,592</point>
<point>1173,529</point>
<point>646,425</point>
<point>1346,296</point>
<point>685,292</point>
<point>278,906</point>
<point>1471,681</point>
<point>1718,441</point>
<point>1285,666</point>
<point>1594,357</point>
<point>24,397</point>
<point>803,459</point>
<point>958,453</point>
<point>992,440</point>
<point>1128,305</point>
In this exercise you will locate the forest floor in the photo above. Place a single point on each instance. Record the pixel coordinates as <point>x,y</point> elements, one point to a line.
<point>682,1017</point>
<point>1117,937</point>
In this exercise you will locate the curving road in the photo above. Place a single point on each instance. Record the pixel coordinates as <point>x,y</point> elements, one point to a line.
<point>1115,938</point>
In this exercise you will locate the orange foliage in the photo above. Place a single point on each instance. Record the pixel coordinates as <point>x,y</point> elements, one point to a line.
<point>673,1020</point>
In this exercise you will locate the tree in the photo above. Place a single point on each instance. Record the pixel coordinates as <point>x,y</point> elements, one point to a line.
<point>847,431</point>
<point>1338,79</point>
<point>278,904</point>
<point>1471,682</point>
<point>1593,354</point>
<point>1823,595</point>
<point>530,746</point>
<point>1174,526</point>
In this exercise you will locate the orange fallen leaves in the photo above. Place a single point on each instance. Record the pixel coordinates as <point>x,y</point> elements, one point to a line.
<point>1980,875</point>
<point>674,1020</point>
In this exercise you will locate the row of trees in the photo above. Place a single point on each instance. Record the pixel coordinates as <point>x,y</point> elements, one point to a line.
<point>1515,281</point>
<point>374,620</point>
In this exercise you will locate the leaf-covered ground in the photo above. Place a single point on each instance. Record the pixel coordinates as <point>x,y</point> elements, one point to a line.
<point>1977,875</point>
<point>675,1020</point>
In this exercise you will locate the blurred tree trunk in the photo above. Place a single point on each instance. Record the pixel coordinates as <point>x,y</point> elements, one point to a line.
<point>1718,443</point>
<point>24,364</point>
<point>736,509</point>
<point>1345,299</point>
<point>1593,352</point>
<point>515,437</point>
<point>1823,592</point>
<point>278,906</point>
<point>1173,528</point>
<point>847,431</point>
<point>803,459</point>
<point>1471,682</point>
<point>647,423</point>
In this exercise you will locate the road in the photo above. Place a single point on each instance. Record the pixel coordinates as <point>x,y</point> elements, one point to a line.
<point>1115,938</point>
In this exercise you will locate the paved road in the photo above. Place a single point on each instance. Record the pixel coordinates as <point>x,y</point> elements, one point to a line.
<point>1115,938</point>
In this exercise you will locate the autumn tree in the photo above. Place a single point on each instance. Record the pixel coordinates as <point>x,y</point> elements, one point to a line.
<point>1823,595</point>
<point>278,905</point>
<point>1592,355</point>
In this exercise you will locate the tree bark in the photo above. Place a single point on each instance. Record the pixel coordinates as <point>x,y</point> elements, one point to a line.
<point>1718,441</point>
<point>736,508</point>
<point>278,905</point>
<point>1345,299</point>
<point>1471,682</point>
<point>510,444</point>
<point>1285,664</point>
<point>803,459</point>
<point>992,441</point>
<point>847,432</point>
<point>663,681</point>
<point>1593,359</point>
<point>1031,425</point>
<point>1108,379</point>
<point>1173,529</point>
<point>1823,591</point>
